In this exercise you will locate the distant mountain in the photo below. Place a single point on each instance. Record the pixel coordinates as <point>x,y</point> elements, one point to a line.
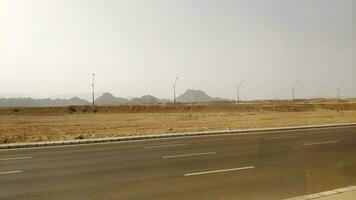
<point>145,99</point>
<point>105,99</point>
<point>76,101</point>
<point>196,96</point>
<point>109,99</point>
<point>165,100</point>
<point>29,102</point>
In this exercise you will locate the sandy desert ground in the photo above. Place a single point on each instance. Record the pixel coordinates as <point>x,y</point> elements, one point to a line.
<point>79,122</point>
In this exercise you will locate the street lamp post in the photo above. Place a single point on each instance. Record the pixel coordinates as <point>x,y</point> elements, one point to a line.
<point>174,90</point>
<point>238,91</point>
<point>293,90</point>
<point>92,87</point>
<point>338,91</point>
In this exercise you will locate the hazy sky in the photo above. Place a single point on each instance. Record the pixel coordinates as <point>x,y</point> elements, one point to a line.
<point>137,47</point>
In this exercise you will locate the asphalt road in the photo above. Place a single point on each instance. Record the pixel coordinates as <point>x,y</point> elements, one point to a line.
<point>264,166</point>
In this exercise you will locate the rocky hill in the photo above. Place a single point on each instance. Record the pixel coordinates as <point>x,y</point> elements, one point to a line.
<point>145,99</point>
<point>196,96</point>
<point>109,99</point>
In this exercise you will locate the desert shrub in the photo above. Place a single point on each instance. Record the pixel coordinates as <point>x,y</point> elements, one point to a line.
<point>85,109</point>
<point>71,109</point>
<point>79,137</point>
<point>16,110</point>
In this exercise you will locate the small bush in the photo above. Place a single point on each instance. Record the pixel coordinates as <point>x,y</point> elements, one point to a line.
<point>79,137</point>
<point>85,109</point>
<point>71,109</point>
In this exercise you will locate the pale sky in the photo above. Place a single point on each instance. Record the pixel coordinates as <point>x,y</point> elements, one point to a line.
<point>137,47</point>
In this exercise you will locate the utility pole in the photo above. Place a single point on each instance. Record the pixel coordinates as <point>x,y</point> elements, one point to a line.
<point>293,89</point>
<point>92,87</point>
<point>238,91</point>
<point>174,91</point>
<point>338,91</point>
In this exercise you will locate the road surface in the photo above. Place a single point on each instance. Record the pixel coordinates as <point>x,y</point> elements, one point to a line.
<point>275,165</point>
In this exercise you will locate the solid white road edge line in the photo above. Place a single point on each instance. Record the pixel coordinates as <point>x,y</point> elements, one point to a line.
<point>10,172</point>
<point>15,158</point>
<point>219,171</point>
<point>186,155</point>
<point>166,145</point>
<point>318,143</point>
